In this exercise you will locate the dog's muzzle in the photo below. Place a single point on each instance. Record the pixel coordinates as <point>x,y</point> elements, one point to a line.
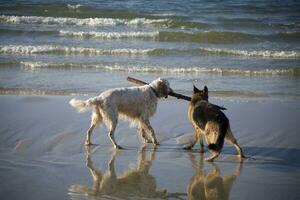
<point>169,91</point>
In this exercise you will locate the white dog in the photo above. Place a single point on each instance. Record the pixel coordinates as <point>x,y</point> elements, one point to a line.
<point>136,104</point>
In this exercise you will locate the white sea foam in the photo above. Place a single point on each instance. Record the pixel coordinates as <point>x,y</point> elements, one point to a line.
<point>61,20</point>
<point>74,7</point>
<point>78,22</point>
<point>35,91</point>
<point>40,64</point>
<point>165,69</point>
<point>143,21</point>
<point>109,35</point>
<point>20,49</point>
<point>164,14</point>
<point>28,49</point>
<point>258,53</point>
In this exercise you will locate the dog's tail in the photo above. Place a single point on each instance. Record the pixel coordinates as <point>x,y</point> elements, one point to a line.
<point>82,106</point>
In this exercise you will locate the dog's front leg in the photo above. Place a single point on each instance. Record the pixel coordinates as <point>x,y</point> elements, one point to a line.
<point>143,135</point>
<point>146,125</point>
<point>201,143</point>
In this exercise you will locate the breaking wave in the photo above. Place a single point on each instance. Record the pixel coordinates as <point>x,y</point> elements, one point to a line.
<point>165,36</point>
<point>78,21</point>
<point>74,7</point>
<point>109,35</point>
<point>34,91</point>
<point>165,69</point>
<point>209,37</point>
<point>20,49</point>
<point>30,49</point>
<point>254,53</point>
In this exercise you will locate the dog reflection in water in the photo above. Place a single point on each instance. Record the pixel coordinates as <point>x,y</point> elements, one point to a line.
<point>133,183</point>
<point>211,185</point>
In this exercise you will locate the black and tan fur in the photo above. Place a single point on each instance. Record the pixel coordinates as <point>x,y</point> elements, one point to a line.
<point>209,121</point>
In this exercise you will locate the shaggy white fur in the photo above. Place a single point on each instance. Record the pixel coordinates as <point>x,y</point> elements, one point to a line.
<point>135,104</point>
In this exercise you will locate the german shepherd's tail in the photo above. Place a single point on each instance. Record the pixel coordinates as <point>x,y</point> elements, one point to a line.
<point>219,142</point>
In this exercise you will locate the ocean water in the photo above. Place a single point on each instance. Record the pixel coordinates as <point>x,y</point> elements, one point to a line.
<point>240,49</point>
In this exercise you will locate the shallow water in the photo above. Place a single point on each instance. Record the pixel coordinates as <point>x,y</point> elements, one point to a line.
<point>240,49</point>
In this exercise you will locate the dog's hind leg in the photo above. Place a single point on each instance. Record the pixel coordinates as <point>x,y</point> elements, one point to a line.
<point>88,134</point>
<point>95,120</point>
<point>231,140</point>
<point>143,135</point>
<point>110,118</point>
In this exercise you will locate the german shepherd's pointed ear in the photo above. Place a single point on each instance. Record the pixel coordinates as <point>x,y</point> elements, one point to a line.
<point>205,91</point>
<point>196,90</point>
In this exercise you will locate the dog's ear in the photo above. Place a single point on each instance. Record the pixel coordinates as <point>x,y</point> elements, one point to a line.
<point>196,90</point>
<point>205,91</point>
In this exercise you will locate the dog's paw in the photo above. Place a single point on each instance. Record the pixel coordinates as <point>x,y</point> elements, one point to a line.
<point>241,156</point>
<point>156,144</point>
<point>118,147</point>
<point>146,141</point>
<point>87,143</point>
<point>187,147</point>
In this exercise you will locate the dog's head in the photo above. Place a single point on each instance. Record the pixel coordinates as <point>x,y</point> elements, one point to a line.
<point>199,95</point>
<point>162,87</point>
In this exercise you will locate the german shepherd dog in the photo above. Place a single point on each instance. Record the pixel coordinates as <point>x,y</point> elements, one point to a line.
<point>209,121</point>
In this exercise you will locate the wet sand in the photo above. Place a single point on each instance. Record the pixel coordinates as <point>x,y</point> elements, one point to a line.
<point>42,155</point>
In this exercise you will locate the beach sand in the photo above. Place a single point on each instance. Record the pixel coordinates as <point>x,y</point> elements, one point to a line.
<point>42,155</point>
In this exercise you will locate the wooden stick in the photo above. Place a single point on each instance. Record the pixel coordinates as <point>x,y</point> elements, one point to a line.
<point>178,96</point>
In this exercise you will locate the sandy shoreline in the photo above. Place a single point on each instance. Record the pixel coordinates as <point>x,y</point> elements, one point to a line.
<point>42,154</point>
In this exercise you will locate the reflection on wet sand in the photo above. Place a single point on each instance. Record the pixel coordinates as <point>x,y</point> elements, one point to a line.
<point>211,185</point>
<point>137,183</point>
<point>133,183</point>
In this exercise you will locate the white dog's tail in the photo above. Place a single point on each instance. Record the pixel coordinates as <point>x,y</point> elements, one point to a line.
<point>82,106</point>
